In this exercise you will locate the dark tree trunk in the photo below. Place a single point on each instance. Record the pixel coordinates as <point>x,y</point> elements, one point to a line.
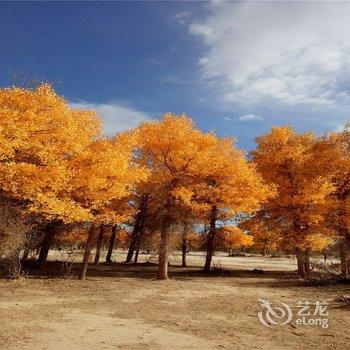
<point>307,263</point>
<point>99,244</point>
<point>303,260</point>
<point>300,262</point>
<point>49,236</point>
<point>163,254</point>
<point>137,247</point>
<point>345,255</point>
<point>136,255</point>
<point>111,245</point>
<point>184,252</point>
<point>344,232</point>
<point>88,246</point>
<point>211,239</point>
<point>132,244</point>
<point>184,246</point>
<point>138,228</point>
<point>163,257</point>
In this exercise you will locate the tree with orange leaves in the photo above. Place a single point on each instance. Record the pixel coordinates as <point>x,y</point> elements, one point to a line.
<point>292,163</point>
<point>194,171</point>
<point>342,195</point>
<point>230,186</point>
<point>172,149</point>
<point>39,136</point>
<point>103,180</point>
<point>54,162</point>
<point>334,150</point>
<point>232,237</point>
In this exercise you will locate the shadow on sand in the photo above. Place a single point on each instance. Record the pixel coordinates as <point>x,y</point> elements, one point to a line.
<point>53,269</point>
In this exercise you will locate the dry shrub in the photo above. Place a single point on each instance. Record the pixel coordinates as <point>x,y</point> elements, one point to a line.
<point>13,232</point>
<point>323,274</point>
<point>343,299</point>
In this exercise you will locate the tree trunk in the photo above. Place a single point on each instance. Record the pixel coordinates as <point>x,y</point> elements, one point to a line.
<point>136,255</point>
<point>303,260</point>
<point>301,265</point>
<point>345,255</point>
<point>132,245</point>
<point>88,246</point>
<point>344,236</point>
<point>50,232</point>
<point>138,228</point>
<point>210,239</point>
<point>111,245</point>
<point>99,244</point>
<point>184,251</point>
<point>307,263</point>
<point>184,246</point>
<point>163,254</point>
<point>137,247</point>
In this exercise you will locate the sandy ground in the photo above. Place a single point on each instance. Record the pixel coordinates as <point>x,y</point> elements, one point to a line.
<point>123,307</point>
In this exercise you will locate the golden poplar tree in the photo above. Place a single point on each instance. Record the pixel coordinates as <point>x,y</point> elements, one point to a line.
<point>104,177</point>
<point>294,165</point>
<point>55,163</point>
<point>194,171</point>
<point>334,149</point>
<point>39,135</point>
<point>229,188</point>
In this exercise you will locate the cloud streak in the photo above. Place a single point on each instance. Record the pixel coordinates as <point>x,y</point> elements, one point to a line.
<point>250,118</point>
<point>116,117</point>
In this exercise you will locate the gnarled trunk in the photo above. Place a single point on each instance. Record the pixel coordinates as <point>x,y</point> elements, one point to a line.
<point>132,245</point>
<point>49,236</point>
<point>88,246</point>
<point>111,245</point>
<point>344,233</point>
<point>138,228</point>
<point>344,245</point>
<point>99,244</point>
<point>307,263</point>
<point>136,255</point>
<point>137,247</point>
<point>211,239</point>
<point>184,246</point>
<point>303,260</point>
<point>163,253</point>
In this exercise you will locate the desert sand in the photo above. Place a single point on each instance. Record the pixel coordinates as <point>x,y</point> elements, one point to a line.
<point>124,307</point>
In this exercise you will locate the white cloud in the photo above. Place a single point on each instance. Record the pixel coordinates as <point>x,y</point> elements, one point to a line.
<point>267,52</point>
<point>249,118</point>
<point>227,119</point>
<point>116,117</point>
<point>181,17</point>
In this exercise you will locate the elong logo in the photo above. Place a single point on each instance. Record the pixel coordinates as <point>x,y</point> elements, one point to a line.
<point>281,313</point>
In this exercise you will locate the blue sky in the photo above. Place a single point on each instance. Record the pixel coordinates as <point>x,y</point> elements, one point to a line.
<point>238,68</point>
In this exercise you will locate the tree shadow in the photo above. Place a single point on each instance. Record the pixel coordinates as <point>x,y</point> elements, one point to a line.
<point>54,269</point>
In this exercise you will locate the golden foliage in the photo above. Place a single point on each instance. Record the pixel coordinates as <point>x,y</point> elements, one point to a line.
<point>232,237</point>
<point>54,162</point>
<point>39,135</point>
<point>294,165</point>
<point>53,159</point>
<point>192,170</point>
